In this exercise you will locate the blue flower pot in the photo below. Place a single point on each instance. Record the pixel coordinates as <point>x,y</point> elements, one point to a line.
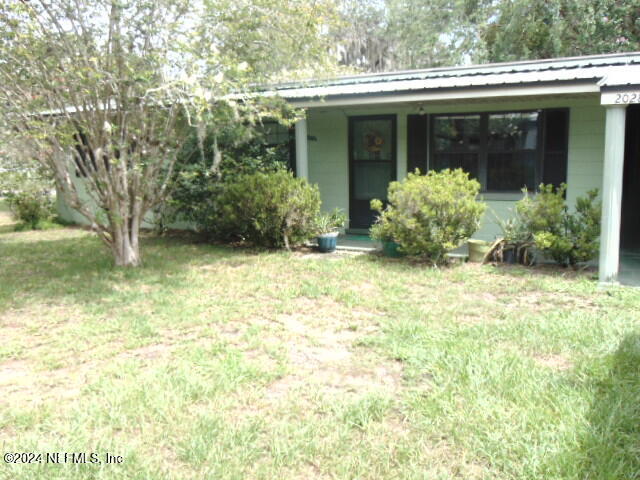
<point>327,242</point>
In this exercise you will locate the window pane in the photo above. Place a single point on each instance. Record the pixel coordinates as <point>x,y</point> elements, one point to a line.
<point>556,133</point>
<point>512,143</point>
<point>511,171</point>
<point>275,134</point>
<point>456,133</point>
<point>281,139</point>
<point>466,161</point>
<point>513,131</point>
<point>372,140</point>
<point>555,168</point>
<point>371,180</point>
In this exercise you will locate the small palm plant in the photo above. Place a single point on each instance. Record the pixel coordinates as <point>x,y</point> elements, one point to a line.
<point>517,241</point>
<point>330,222</point>
<point>328,226</point>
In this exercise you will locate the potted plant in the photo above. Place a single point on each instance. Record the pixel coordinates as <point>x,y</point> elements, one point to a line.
<point>516,243</point>
<point>383,231</point>
<point>328,227</point>
<point>478,249</point>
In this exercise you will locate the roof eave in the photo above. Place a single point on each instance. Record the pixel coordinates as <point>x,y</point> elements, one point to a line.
<point>585,86</point>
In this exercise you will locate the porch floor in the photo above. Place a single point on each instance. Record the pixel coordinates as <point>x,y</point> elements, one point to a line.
<point>629,271</point>
<point>357,242</point>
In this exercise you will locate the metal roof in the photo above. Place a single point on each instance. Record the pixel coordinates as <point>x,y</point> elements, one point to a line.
<point>621,69</point>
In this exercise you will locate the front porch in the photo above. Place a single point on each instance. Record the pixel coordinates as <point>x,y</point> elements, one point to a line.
<point>357,243</point>
<point>363,132</point>
<point>629,273</point>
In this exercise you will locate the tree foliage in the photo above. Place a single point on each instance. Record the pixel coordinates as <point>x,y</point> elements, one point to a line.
<point>437,33</point>
<point>120,83</point>
<point>198,181</point>
<point>523,29</point>
<point>362,36</point>
<point>401,34</point>
<point>281,40</point>
<point>19,169</point>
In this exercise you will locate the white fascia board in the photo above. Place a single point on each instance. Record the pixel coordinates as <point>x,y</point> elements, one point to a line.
<point>622,76</point>
<point>462,94</point>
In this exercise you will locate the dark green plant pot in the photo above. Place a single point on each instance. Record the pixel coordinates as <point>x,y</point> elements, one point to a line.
<point>327,242</point>
<point>509,255</point>
<point>390,249</point>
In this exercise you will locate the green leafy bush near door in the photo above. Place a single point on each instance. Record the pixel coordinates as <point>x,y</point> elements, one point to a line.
<point>567,237</point>
<point>428,215</point>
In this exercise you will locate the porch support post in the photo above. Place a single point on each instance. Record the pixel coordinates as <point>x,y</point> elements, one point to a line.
<point>612,193</point>
<point>302,151</point>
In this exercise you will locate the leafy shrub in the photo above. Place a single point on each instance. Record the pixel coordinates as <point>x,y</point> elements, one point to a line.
<point>31,208</point>
<point>428,215</point>
<point>197,182</point>
<point>568,238</point>
<point>269,209</point>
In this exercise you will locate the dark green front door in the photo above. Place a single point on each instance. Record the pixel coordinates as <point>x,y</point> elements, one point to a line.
<point>372,165</point>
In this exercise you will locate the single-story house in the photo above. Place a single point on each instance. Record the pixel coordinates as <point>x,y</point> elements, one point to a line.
<point>510,125</point>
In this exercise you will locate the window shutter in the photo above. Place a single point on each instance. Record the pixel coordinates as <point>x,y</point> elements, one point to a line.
<point>292,151</point>
<point>556,147</point>
<point>417,143</point>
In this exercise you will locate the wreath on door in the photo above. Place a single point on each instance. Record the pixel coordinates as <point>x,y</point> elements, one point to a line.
<point>373,142</point>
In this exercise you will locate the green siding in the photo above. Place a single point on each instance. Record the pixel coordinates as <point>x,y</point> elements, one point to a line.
<point>71,215</point>
<point>328,152</point>
<point>328,165</point>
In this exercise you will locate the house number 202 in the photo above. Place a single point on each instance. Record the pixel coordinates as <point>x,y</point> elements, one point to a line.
<point>628,97</point>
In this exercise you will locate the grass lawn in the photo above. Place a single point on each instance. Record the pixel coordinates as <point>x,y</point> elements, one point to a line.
<point>215,363</point>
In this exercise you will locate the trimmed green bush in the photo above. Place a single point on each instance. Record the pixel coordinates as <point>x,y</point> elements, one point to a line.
<point>197,184</point>
<point>428,215</point>
<point>32,209</point>
<point>568,238</point>
<point>268,209</point>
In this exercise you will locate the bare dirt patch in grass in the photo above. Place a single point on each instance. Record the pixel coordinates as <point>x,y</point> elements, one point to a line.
<point>321,355</point>
<point>19,379</point>
<point>147,352</point>
<point>13,371</point>
<point>553,361</point>
<point>306,472</point>
<point>316,339</point>
<point>19,382</point>
<point>331,372</point>
<point>309,253</point>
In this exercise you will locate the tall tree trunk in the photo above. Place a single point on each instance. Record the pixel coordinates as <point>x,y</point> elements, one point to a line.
<point>125,247</point>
